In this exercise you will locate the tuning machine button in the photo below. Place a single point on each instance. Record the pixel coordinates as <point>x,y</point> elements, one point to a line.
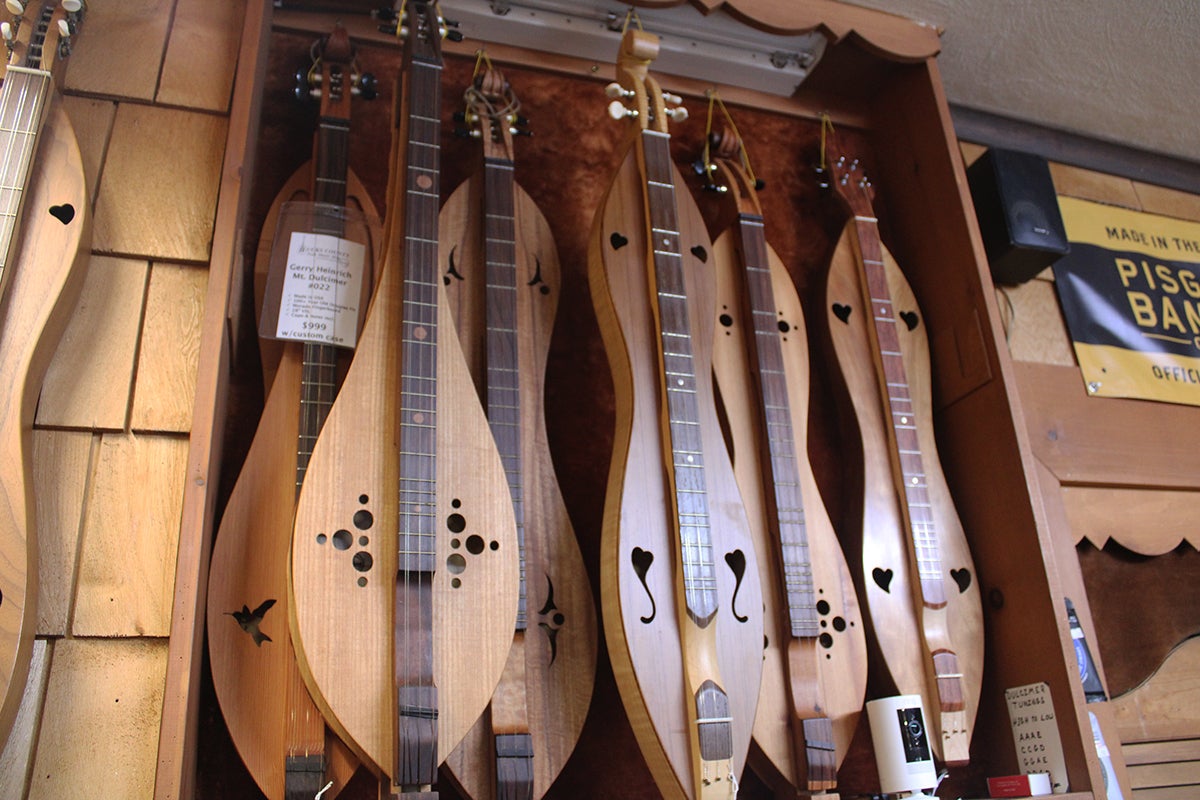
<point>15,7</point>
<point>72,6</point>
<point>618,92</point>
<point>617,110</point>
<point>366,86</point>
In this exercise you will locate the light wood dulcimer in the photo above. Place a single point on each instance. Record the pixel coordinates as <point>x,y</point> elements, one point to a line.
<point>404,555</point>
<point>277,729</point>
<point>815,668</point>
<point>679,577</point>
<point>503,281</point>
<point>45,227</point>
<point>918,579</point>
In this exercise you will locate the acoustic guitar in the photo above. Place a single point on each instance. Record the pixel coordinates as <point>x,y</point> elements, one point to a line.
<point>815,666</point>
<point>274,724</point>
<point>679,579</point>
<point>917,577</point>
<point>503,281</point>
<point>404,552</point>
<point>45,232</point>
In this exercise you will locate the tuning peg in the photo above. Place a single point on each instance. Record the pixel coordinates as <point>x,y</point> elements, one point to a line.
<point>520,131</point>
<point>673,99</point>
<point>15,7</point>
<point>618,92</point>
<point>72,6</point>
<point>366,87</point>
<point>677,114</point>
<point>617,111</point>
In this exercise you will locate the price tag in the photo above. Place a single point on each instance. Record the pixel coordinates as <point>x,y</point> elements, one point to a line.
<point>322,290</point>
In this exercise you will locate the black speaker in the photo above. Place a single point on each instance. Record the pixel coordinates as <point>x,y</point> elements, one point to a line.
<point>1018,214</point>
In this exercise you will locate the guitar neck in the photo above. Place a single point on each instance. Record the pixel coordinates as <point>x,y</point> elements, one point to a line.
<point>419,332</point>
<point>679,382</point>
<point>503,377</point>
<point>22,109</point>
<point>785,502</point>
<point>906,459</point>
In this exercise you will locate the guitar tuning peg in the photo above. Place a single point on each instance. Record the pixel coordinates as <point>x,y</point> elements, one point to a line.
<point>520,131</point>
<point>72,6</point>
<point>301,90</point>
<point>673,99</point>
<point>618,111</point>
<point>618,92</point>
<point>366,87</point>
<point>454,36</point>
<point>677,114</point>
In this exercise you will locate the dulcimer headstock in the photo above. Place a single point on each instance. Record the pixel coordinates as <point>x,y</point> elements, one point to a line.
<point>847,178</point>
<point>333,76</point>
<point>729,174</point>
<point>636,94</point>
<point>492,110</point>
<point>38,34</point>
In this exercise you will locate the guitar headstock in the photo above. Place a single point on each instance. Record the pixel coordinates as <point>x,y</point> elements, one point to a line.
<point>333,76</point>
<point>636,94</point>
<point>492,110</point>
<point>38,34</point>
<point>848,179</point>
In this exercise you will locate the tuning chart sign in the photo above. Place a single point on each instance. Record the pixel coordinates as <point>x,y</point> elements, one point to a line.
<point>315,289</point>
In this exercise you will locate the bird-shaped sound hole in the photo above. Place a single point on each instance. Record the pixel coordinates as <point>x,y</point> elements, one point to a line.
<point>465,544</point>
<point>346,540</point>
<point>552,619</point>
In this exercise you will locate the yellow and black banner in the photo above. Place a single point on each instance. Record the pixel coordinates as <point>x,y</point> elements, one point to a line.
<point>1130,292</point>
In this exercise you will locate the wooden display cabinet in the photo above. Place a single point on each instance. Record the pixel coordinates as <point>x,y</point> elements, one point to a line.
<point>879,81</point>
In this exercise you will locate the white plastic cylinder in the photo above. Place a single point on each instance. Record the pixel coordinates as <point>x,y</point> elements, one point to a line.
<point>903,755</point>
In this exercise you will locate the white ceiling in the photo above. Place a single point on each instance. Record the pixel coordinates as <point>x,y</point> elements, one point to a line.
<point>1125,71</point>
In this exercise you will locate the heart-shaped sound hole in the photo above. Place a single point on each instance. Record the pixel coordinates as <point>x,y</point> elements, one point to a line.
<point>962,577</point>
<point>910,319</point>
<point>883,577</point>
<point>64,213</point>
<point>618,241</point>
<point>699,252</point>
<point>841,312</point>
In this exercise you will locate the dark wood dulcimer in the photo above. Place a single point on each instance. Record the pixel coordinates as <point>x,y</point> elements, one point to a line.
<point>503,282</point>
<point>274,724</point>
<point>918,579</point>
<point>404,554</point>
<point>815,668</point>
<point>679,577</point>
<point>45,232</point>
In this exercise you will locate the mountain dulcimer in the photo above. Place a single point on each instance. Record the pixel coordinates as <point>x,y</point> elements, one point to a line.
<point>45,232</point>
<point>502,276</point>
<point>917,576</point>
<point>273,722</point>
<point>679,579</point>
<point>404,555</point>
<point>815,668</point>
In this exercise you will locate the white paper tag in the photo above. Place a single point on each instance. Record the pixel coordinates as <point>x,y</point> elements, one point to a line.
<point>1035,733</point>
<point>321,290</point>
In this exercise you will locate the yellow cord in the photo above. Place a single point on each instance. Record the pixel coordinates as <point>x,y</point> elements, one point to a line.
<point>826,127</point>
<point>631,14</point>
<point>715,97</point>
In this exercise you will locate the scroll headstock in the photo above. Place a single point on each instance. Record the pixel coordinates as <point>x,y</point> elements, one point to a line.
<point>848,179</point>
<point>334,77</point>
<point>727,172</point>
<point>647,103</point>
<point>492,110</point>
<point>38,34</point>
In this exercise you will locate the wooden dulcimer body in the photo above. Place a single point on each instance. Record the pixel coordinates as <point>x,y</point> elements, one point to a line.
<point>503,282</point>
<point>404,555</point>
<point>679,583</point>
<point>815,666</point>
<point>45,233</point>
<point>274,724</point>
<point>917,577</point>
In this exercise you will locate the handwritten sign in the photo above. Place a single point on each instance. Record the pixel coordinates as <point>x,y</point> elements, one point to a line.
<point>1035,733</point>
<point>322,290</point>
